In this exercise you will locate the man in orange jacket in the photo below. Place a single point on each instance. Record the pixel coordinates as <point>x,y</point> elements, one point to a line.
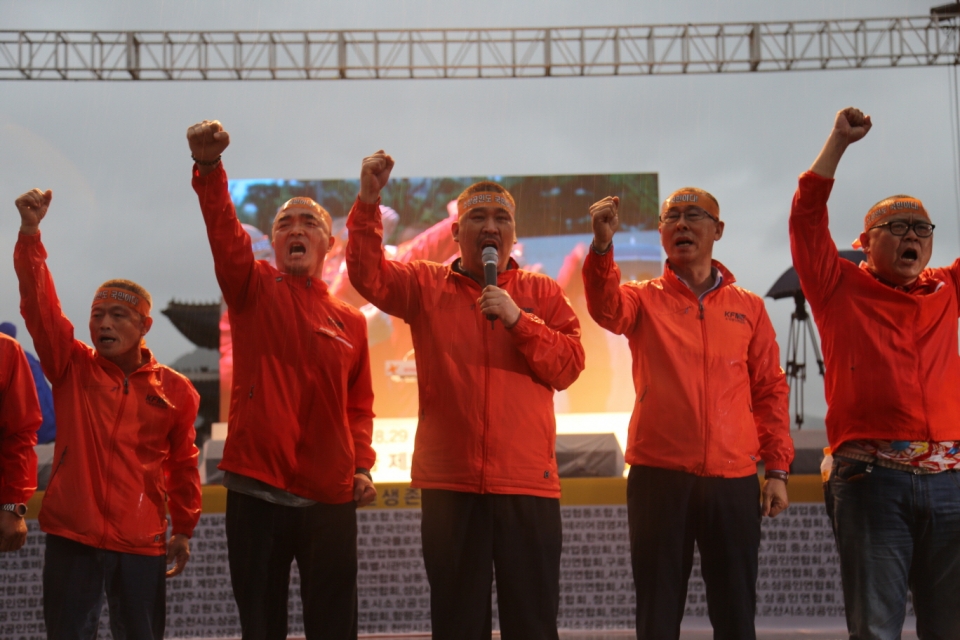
<point>298,453</point>
<point>484,452</point>
<point>20,418</point>
<point>124,453</point>
<point>889,332</point>
<point>711,403</point>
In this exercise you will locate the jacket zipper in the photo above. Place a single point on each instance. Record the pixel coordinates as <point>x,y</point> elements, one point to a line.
<point>113,440</point>
<point>54,474</point>
<point>486,405</point>
<point>706,399</point>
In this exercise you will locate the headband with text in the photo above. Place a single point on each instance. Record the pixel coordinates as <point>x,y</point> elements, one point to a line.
<point>688,196</point>
<point>467,203</point>
<point>111,295</point>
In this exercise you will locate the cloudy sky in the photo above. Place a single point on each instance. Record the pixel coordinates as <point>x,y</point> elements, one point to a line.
<point>116,157</point>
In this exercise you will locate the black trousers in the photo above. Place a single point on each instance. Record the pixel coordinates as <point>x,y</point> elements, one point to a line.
<point>670,510</point>
<point>468,535</point>
<point>75,578</point>
<point>262,541</point>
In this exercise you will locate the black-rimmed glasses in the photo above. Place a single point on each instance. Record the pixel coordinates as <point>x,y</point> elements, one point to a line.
<point>692,216</point>
<point>901,228</point>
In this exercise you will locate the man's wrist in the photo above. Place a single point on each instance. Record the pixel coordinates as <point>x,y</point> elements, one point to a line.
<point>367,198</point>
<point>776,474</point>
<point>29,230</point>
<point>364,472</point>
<point>16,508</point>
<point>597,250</point>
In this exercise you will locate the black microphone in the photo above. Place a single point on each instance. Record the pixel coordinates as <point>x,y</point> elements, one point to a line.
<point>490,258</point>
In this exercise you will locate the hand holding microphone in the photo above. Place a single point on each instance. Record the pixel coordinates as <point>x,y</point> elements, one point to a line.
<point>490,258</point>
<point>495,302</point>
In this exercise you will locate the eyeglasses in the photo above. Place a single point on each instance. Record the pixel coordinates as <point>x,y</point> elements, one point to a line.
<point>901,228</point>
<point>692,216</point>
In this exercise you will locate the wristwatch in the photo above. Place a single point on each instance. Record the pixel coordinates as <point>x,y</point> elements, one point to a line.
<point>776,474</point>
<point>15,507</point>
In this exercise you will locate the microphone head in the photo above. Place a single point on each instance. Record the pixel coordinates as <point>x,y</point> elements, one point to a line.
<point>490,255</point>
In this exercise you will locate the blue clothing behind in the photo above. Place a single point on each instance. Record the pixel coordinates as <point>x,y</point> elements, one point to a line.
<point>48,429</point>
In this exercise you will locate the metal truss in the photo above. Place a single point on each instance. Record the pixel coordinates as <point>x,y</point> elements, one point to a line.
<point>479,53</point>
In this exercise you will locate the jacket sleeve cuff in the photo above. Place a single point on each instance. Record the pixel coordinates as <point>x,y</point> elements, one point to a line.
<point>28,240</point>
<point>177,531</point>
<point>12,495</point>
<point>217,175</point>
<point>778,465</point>
<point>526,326</point>
<point>815,188</point>
<point>369,211</point>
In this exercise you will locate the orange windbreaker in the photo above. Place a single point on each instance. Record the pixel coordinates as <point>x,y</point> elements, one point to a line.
<point>892,370</point>
<point>301,407</point>
<point>486,394</point>
<point>711,396</point>
<point>20,418</point>
<point>124,450</point>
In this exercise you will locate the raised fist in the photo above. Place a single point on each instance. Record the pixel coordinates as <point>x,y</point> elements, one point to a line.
<point>605,221</point>
<point>207,140</point>
<point>374,175</point>
<point>33,207</point>
<point>851,124</point>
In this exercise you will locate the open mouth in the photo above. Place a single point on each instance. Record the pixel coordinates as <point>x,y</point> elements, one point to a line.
<point>683,242</point>
<point>489,242</point>
<point>909,255</point>
<point>297,249</point>
<point>106,340</point>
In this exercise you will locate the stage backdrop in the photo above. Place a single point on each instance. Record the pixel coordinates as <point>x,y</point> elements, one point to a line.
<point>554,232</point>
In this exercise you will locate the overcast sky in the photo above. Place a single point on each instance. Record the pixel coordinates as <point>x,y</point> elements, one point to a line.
<point>116,158</point>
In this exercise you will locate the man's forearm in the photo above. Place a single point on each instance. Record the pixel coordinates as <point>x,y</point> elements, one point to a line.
<point>826,163</point>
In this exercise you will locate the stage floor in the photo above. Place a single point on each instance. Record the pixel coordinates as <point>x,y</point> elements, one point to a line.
<point>833,633</point>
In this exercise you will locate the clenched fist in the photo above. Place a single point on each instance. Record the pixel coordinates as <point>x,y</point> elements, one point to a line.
<point>33,207</point>
<point>207,141</point>
<point>605,221</point>
<point>374,175</point>
<point>851,125</point>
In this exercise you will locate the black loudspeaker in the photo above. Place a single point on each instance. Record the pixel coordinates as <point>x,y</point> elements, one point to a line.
<point>589,455</point>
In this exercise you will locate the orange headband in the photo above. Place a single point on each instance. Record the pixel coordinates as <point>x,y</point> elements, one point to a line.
<point>307,203</point>
<point>886,208</point>
<point>467,203</point>
<point>689,195</point>
<point>109,295</point>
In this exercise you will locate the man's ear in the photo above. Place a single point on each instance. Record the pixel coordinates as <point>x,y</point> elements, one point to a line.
<point>147,323</point>
<point>865,242</point>
<point>455,229</point>
<point>332,241</point>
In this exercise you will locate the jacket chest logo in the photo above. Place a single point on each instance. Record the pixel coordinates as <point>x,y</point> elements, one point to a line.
<point>157,401</point>
<point>733,316</point>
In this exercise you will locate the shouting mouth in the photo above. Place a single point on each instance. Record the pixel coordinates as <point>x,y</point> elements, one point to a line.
<point>909,255</point>
<point>297,249</point>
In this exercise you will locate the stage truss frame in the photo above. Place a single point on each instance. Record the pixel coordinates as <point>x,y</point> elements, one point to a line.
<point>480,53</point>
